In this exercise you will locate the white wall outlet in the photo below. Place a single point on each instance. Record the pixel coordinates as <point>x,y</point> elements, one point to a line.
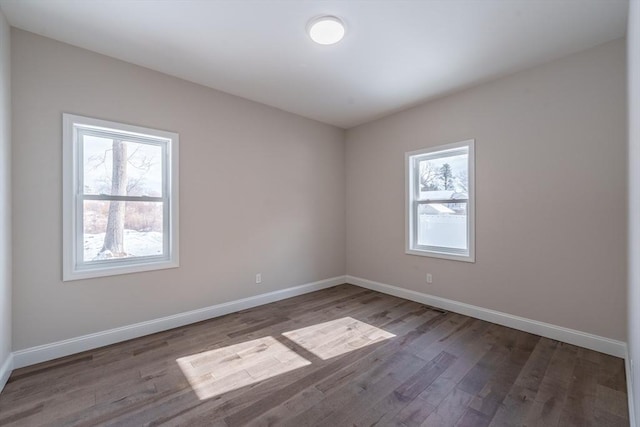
<point>259,278</point>
<point>429,278</point>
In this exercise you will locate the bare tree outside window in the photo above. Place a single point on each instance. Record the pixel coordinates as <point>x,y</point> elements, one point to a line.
<point>436,175</point>
<point>122,229</point>
<point>428,177</point>
<point>113,238</point>
<point>462,181</point>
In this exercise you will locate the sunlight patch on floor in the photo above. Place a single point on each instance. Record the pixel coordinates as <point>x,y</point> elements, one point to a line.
<point>218,371</point>
<point>336,337</point>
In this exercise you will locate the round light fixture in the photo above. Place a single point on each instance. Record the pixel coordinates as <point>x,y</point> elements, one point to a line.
<point>326,30</point>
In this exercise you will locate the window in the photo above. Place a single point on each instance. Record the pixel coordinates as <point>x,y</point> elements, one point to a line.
<point>440,201</point>
<point>120,191</point>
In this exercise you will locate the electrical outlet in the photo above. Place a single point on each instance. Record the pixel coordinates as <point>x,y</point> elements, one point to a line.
<point>429,278</point>
<point>259,278</point>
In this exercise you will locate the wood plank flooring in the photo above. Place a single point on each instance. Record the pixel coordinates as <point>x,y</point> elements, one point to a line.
<point>343,356</point>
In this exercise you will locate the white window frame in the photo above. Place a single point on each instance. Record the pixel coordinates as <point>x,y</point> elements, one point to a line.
<point>74,266</point>
<point>412,185</point>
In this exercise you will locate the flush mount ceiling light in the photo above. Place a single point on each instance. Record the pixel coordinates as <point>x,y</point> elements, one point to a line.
<point>326,30</point>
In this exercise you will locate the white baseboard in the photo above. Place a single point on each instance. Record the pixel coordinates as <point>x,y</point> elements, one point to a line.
<point>43,353</point>
<point>631,402</point>
<point>5,371</point>
<point>571,336</point>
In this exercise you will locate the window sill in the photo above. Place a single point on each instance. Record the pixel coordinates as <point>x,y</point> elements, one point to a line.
<point>441,255</point>
<point>115,270</point>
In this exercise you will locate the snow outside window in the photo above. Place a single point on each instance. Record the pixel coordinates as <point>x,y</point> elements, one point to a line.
<point>120,198</point>
<point>440,201</point>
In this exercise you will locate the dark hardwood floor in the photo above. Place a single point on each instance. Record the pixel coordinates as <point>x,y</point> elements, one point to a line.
<point>339,357</point>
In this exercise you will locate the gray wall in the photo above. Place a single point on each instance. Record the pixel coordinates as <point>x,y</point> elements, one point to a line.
<point>634,199</point>
<point>261,190</point>
<point>5,193</point>
<point>551,194</point>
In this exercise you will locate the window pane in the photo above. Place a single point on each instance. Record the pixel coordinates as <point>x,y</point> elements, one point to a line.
<point>135,229</point>
<point>138,167</point>
<point>444,177</point>
<point>443,225</point>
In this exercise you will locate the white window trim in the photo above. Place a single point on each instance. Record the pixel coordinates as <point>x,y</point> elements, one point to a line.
<point>72,235</point>
<point>410,188</point>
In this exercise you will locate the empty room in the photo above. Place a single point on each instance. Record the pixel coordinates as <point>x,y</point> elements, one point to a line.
<point>320,213</point>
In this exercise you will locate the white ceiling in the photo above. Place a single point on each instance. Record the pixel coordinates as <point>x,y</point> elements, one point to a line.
<point>396,53</point>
